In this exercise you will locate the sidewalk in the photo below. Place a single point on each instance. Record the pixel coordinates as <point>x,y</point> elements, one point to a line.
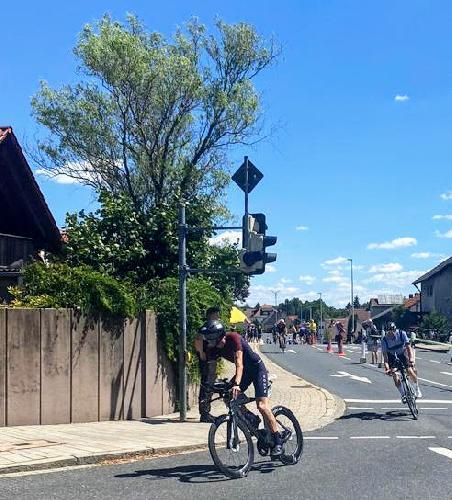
<point>41,447</point>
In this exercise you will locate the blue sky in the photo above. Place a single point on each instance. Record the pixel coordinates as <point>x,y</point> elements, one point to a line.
<point>362,152</point>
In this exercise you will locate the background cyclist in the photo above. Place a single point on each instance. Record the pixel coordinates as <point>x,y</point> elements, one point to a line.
<point>396,345</point>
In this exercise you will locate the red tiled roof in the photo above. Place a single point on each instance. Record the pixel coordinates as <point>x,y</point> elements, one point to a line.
<point>412,301</point>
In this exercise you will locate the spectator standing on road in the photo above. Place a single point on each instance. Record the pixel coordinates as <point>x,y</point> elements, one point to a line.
<point>207,371</point>
<point>312,331</point>
<point>293,332</point>
<point>340,335</point>
<point>373,343</point>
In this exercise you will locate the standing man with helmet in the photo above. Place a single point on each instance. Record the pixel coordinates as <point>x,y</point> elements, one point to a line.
<point>212,318</point>
<point>249,369</point>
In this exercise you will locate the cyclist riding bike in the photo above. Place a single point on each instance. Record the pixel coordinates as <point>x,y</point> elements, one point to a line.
<point>249,369</point>
<point>396,345</point>
<point>281,331</point>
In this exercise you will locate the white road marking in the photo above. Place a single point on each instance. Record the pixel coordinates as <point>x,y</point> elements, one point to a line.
<point>433,361</point>
<point>359,408</point>
<point>418,357</point>
<point>370,437</point>
<point>415,437</point>
<point>321,437</point>
<point>345,357</point>
<point>430,401</point>
<point>353,377</point>
<point>446,373</point>
<point>432,408</point>
<point>395,408</point>
<point>442,451</point>
<point>290,350</point>
<point>433,382</point>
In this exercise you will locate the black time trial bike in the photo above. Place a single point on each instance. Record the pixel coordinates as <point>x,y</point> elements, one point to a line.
<point>231,435</point>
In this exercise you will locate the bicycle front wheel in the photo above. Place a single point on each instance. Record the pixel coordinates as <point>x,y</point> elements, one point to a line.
<point>292,435</point>
<point>411,398</point>
<point>231,446</point>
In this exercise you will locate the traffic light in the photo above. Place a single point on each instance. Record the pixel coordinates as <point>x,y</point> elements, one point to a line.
<point>253,256</point>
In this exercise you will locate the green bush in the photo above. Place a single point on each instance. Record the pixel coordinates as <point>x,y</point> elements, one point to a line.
<point>162,296</point>
<point>59,285</point>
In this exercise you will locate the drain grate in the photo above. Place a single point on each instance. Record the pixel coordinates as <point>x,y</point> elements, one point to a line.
<point>37,443</point>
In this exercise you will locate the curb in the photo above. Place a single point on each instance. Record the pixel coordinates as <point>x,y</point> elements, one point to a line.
<point>335,406</point>
<point>99,458</point>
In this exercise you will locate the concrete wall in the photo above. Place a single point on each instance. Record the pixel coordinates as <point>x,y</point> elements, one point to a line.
<point>59,366</point>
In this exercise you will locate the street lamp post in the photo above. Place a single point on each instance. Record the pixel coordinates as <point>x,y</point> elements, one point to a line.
<point>275,293</point>
<point>351,302</point>
<point>321,315</point>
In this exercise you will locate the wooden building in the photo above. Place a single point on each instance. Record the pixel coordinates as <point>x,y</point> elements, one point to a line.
<point>26,223</point>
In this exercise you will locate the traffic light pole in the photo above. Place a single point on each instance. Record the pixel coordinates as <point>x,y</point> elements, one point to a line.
<point>246,229</point>
<point>182,314</point>
<point>184,272</point>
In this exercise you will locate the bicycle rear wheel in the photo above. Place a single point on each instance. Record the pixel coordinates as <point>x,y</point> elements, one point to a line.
<point>231,446</point>
<point>292,435</point>
<point>410,398</point>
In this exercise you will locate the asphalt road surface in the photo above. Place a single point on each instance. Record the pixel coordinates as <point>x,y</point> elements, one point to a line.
<point>376,450</point>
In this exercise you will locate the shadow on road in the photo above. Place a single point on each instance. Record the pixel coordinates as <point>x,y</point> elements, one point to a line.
<point>184,473</point>
<point>195,473</point>
<point>371,415</point>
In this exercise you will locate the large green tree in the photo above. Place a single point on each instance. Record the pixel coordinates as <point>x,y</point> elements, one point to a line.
<point>154,118</point>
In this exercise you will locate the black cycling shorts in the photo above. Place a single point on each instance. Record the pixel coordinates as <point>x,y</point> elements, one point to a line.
<point>258,376</point>
<point>392,360</point>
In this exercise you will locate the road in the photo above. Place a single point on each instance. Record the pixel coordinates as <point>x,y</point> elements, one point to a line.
<point>375,450</point>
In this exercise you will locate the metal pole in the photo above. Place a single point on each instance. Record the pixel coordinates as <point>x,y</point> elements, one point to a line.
<point>321,313</point>
<point>245,229</point>
<point>182,314</point>
<point>276,304</point>
<point>351,303</point>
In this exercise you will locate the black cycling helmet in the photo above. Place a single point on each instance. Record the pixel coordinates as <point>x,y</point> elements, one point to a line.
<point>212,332</point>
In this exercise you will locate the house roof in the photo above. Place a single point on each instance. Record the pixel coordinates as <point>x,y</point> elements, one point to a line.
<point>435,270</point>
<point>362,314</point>
<point>412,301</point>
<point>23,209</point>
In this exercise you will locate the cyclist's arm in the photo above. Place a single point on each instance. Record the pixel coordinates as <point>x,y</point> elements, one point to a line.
<point>409,351</point>
<point>198,343</point>
<point>238,367</point>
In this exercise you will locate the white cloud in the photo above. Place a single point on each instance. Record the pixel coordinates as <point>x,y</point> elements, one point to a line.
<point>422,255</point>
<point>228,237</point>
<point>82,169</point>
<point>301,228</point>
<point>333,279</point>
<point>401,98</point>
<point>395,280</point>
<point>395,243</point>
<point>442,217</point>
<point>446,196</point>
<point>285,280</point>
<point>309,280</point>
<point>391,267</point>
<point>270,268</point>
<point>335,262</point>
<point>447,234</point>
<point>59,178</point>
